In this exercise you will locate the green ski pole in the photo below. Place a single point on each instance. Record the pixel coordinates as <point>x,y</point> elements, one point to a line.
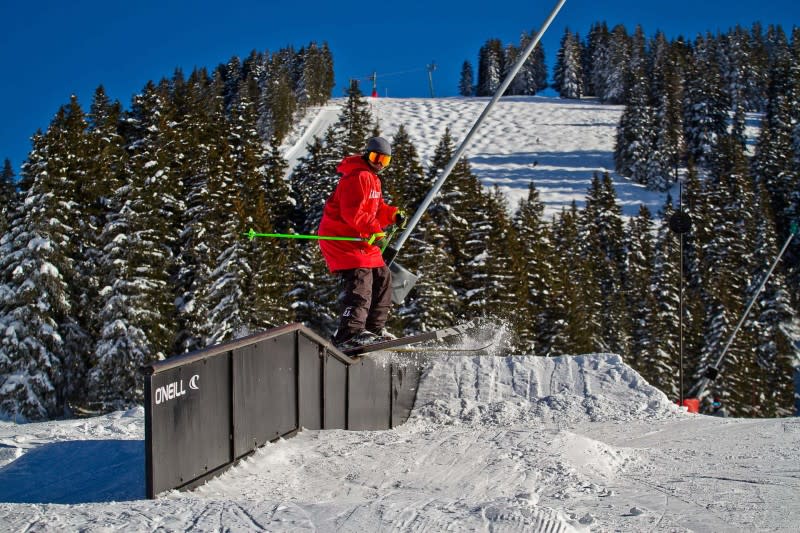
<point>252,234</point>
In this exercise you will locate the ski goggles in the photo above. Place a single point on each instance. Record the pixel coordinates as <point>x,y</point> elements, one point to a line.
<point>377,157</point>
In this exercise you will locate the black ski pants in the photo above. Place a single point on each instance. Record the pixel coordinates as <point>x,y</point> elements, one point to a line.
<point>365,300</point>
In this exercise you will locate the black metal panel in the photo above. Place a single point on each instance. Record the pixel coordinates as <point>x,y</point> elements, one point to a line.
<point>309,382</point>
<point>405,379</point>
<point>207,409</point>
<point>190,421</point>
<point>369,395</point>
<point>149,460</point>
<point>265,393</point>
<point>334,413</point>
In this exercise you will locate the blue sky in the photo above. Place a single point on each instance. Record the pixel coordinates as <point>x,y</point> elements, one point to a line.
<point>50,50</point>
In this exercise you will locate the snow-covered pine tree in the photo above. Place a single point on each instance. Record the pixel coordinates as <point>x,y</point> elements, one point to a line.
<point>636,136</point>
<point>534,288</point>
<point>729,262</point>
<point>535,70</point>
<point>756,90</point>
<point>602,234</point>
<point>568,71</point>
<point>150,211</point>
<point>36,367</point>
<point>659,360</point>
<point>510,55</point>
<point>456,207</point>
<point>466,82</point>
<point>734,57</point>
<point>315,75</point>
<point>490,67</point>
<point>225,293</point>
<point>695,203</point>
<point>266,303</point>
<point>70,158</point>
<point>355,124</point>
<point>8,196</point>
<point>775,353</point>
<point>491,257</point>
<point>705,105</point>
<point>775,163</point>
<point>198,135</point>
<point>108,163</point>
<point>595,57</point>
<point>280,101</point>
<point>105,161</point>
<point>640,297</point>
<point>138,242</point>
<point>667,100</point>
<point>613,66</point>
<point>574,324</point>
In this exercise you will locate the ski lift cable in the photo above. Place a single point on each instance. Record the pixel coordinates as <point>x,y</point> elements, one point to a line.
<point>371,76</point>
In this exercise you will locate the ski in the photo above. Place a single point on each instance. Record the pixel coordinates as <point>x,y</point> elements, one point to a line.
<point>435,349</point>
<point>439,334</point>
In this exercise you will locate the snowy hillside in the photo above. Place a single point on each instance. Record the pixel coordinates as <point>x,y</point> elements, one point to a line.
<point>494,444</point>
<point>559,144</point>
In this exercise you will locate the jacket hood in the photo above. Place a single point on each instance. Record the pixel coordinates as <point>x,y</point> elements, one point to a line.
<point>353,163</point>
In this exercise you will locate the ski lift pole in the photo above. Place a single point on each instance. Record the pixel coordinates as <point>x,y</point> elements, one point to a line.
<point>392,251</point>
<point>712,372</point>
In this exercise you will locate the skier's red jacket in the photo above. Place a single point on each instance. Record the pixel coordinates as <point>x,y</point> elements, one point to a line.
<point>355,209</point>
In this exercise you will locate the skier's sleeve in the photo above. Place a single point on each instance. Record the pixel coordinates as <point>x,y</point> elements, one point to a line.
<point>354,204</point>
<point>386,213</point>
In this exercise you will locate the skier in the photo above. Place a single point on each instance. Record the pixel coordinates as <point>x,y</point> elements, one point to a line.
<point>717,409</point>
<point>356,209</point>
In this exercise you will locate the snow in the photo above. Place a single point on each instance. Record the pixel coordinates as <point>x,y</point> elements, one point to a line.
<point>495,443</point>
<point>314,123</point>
<point>559,144</point>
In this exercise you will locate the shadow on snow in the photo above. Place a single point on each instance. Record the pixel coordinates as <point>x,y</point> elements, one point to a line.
<point>84,471</point>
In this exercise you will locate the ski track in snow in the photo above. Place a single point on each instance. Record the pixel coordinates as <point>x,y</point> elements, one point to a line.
<point>518,443</point>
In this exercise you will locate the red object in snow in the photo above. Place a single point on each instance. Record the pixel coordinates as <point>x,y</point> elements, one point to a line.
<point>692,404</point>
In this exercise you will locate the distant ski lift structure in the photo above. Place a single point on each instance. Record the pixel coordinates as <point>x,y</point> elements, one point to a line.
<point>431,68</point>
<point>374,78</point>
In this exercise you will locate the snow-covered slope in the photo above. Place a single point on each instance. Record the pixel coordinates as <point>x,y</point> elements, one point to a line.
<point>494,444</point>
<point>559,144</point>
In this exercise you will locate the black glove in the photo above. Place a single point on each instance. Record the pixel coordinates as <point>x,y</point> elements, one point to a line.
<point>400,218</point>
